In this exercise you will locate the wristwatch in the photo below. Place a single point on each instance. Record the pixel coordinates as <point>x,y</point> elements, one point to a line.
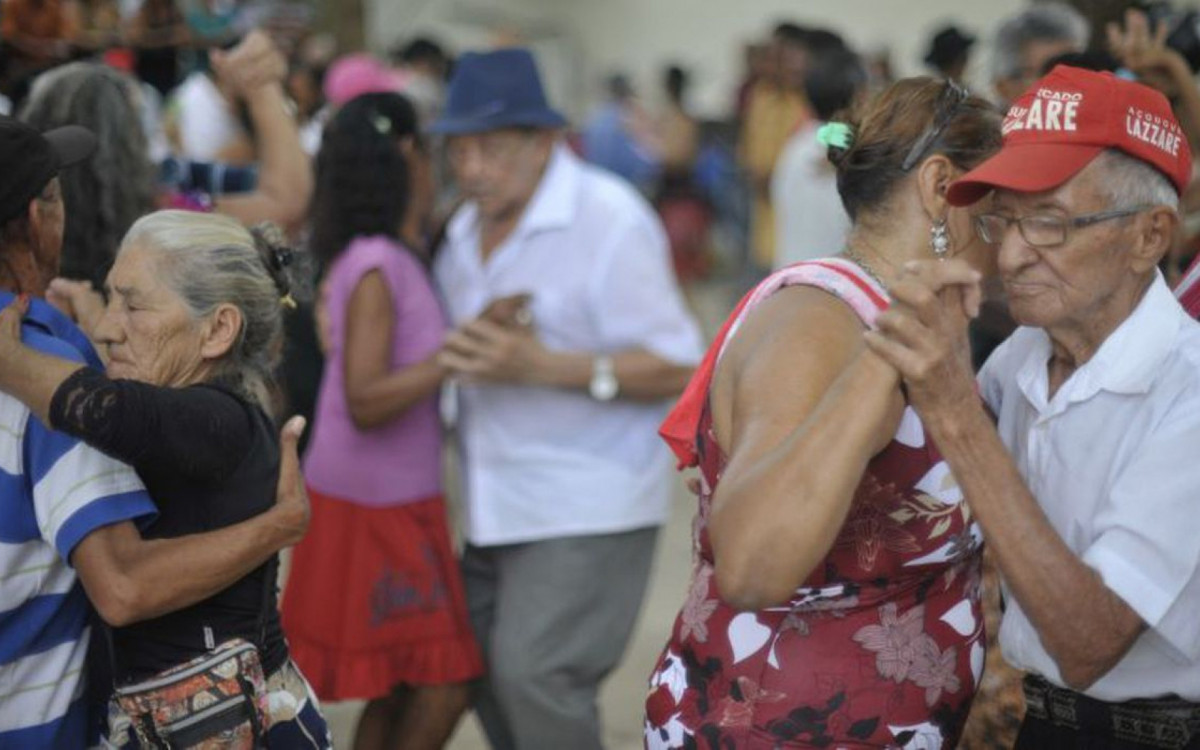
<point>603,385</point>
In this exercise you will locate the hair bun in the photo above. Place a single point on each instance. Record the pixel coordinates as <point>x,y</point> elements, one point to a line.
<point>837,138</point>
<point>276,254</point>
<point>836,155</point>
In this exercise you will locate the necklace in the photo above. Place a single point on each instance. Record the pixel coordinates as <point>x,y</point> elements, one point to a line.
<point>852,256</point>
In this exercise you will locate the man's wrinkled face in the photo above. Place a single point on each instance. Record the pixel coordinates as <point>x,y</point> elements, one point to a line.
<point>1069,283</point>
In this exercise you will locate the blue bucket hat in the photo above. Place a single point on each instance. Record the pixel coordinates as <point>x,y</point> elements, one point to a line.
<point>494,90</point>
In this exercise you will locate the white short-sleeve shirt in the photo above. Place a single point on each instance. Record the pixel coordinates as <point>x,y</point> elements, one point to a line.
<point>810,220</point>
<point>1111,459</point>
<point>207,122</point>
<point>542,463</point>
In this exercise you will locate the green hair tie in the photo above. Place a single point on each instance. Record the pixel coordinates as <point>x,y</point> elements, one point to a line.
<point>835,135</point>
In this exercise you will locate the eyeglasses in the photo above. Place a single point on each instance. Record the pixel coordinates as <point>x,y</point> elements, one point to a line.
<point>1044,230</point>
<point>952,97</point>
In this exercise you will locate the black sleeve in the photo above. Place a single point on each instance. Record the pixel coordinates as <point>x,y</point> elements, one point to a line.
<point>201,432</point>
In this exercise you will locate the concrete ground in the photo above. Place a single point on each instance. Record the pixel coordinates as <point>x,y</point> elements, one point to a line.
<point>625,690</point>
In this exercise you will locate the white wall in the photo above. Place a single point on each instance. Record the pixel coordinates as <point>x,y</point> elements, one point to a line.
<point>579,41</point>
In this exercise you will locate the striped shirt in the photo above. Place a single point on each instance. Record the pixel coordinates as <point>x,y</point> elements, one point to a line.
<point>54,491</point>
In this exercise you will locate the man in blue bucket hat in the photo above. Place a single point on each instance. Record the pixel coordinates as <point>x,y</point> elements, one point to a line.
<point>571,335</point>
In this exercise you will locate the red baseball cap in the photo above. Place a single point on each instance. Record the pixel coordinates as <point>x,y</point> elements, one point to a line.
<point>1064,121</point>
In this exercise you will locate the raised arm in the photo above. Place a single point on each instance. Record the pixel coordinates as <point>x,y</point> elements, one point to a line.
<point>1085,627</point>
<point>255,70</point>
<point>200,432</point>
<point>129,579</point>
<point>799,408</point>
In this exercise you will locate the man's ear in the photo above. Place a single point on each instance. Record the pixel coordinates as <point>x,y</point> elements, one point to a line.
<point>222,330</point>
<point>1158,230</point>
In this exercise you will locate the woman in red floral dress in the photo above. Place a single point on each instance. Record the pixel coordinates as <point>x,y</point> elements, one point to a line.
<point>835,597</point>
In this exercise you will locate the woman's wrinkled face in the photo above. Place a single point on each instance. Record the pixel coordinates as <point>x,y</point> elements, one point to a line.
<point>147,329</point>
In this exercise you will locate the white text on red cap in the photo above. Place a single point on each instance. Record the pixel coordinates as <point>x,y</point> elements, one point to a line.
<point>1154,129</point>
<point>1049,110</point>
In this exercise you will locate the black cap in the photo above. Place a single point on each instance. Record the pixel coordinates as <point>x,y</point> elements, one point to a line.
<point>947,46</point>
<point>29,160</point>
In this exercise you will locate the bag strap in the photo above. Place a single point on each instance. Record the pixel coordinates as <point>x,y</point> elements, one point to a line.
<point>269,576</point>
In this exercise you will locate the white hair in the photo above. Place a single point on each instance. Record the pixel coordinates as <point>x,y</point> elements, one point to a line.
<point>1048,22</point>
<point>1132,182</point>
<point>210,260</point>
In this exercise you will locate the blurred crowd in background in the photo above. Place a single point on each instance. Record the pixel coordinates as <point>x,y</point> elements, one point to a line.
<point>714,181</point>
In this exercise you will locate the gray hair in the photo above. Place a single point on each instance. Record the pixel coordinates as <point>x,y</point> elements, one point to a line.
<point>1133,182</point>
<point>1049,22</point>
<point>210,260</point>
<point>108,192</point>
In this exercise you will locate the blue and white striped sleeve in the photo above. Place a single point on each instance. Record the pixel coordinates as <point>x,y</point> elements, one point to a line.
<point>76,489</point>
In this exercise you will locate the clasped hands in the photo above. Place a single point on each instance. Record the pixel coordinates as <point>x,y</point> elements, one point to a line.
<point>499,346</point>
<point>923,334</point>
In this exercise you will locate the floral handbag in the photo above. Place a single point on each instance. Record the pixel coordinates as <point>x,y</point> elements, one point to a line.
<point>217,700</point>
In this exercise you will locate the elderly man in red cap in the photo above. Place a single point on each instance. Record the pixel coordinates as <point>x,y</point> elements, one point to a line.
<point>1078,461</point>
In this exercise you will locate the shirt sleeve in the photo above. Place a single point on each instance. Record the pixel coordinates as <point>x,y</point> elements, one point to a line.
<point>201,432</point>
<point>993,374</point>
<point>76,489</point>
<point>1146,546</point>
<point>637,300</point>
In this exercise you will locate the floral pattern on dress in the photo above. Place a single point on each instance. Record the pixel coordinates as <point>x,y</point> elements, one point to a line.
<point>878,647</point>
<point>698,607</point>
<point>871,528</point>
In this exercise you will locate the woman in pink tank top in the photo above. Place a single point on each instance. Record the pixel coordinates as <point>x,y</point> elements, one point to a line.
<point>835,595</point>
<point>374,606</point>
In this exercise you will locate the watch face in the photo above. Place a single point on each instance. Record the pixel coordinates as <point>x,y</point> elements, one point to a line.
<point>603,387</point>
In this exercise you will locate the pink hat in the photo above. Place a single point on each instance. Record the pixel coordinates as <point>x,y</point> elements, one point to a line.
<point>358,74</point>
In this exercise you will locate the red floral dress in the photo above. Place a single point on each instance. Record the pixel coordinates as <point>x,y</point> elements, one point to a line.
<point>883,645</point>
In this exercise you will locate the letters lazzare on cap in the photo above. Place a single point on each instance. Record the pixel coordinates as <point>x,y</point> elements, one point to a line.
<point>1153,129</point>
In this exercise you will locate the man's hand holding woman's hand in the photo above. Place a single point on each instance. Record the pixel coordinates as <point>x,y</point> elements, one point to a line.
<point>924,334</point>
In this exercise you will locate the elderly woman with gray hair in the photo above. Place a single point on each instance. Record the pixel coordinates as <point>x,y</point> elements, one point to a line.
<point>192,329</point>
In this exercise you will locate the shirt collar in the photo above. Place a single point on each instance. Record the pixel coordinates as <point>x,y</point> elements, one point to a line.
<point>1131,357</point>
<point>44,316</point>
<point>1127,362</point>
<point>552,205</point>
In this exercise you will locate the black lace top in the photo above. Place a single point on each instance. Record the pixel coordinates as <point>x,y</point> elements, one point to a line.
<point>210,459</point>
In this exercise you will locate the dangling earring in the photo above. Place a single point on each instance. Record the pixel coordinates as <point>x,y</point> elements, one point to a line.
<point>939,239</point>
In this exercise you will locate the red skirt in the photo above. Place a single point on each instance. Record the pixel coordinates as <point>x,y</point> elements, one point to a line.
<point>375,600</point>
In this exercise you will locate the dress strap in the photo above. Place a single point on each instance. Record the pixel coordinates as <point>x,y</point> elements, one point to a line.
<point>842,278</point>
<point>838,276</point>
